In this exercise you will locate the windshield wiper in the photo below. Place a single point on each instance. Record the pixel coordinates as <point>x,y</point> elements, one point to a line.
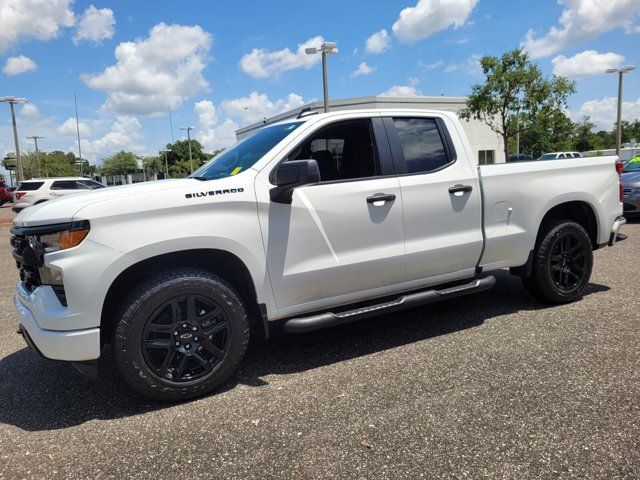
<point>203,179</point>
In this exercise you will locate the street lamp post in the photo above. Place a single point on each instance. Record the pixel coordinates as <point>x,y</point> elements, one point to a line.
<point>35,139</point>
<point>11,101</point>
<point>188,129</point>
<point>327,48</point>
<point>166,162</point>
<point>620,71</point>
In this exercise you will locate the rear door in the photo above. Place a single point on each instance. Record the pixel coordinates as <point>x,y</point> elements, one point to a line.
<point>441,197</point>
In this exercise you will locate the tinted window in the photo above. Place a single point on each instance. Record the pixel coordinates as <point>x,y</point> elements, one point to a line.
<point>28,186</point>
<point>343,151</point>
<point>421,144</point>
<point>90,184</point>
<point>245,154</point>
<point>64,185</point>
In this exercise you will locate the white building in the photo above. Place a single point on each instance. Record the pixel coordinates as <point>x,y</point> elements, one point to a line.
<point>487,145</point>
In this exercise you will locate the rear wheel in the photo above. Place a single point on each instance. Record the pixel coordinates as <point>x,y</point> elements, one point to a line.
<point>181,335</point>
<point>562,263</point>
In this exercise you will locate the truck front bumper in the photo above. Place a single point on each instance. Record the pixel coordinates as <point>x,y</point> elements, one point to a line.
<point>67,345</point>
<point>615,236</point>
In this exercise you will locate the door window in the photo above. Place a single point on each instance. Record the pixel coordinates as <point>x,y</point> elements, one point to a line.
<point>90,184</point>
<point>64,185</point>
<point>422,145</point>
<point>344,150</point>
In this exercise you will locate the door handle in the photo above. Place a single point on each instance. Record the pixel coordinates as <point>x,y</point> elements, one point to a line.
<point>460,189</point>
<point>381,197</point>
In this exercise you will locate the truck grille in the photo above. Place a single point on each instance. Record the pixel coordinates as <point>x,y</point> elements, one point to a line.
<point>26,261</point>
<point>627,190</point>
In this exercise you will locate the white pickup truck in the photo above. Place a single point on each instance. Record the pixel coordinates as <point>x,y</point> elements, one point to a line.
<point>315,221</point>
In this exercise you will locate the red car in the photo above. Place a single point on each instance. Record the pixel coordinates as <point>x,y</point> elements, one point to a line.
<point>5,193</point>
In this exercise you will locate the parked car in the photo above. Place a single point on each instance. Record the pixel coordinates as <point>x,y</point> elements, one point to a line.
<point>178,274</point>
<point>631,185</point>
<point>520,157</point>
<point>559,155</point>
<point>5,193</point>
<point>38,190</point>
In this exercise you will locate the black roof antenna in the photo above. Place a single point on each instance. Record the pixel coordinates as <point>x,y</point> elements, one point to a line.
<point>306,111</point>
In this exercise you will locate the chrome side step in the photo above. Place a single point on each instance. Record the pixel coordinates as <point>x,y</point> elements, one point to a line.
<point>329,319</point>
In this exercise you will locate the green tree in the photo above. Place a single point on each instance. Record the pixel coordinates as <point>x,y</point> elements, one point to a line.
<point>178,157</point>
<point>153,166</point>
<point>122,163</point>
<point>515,86</point>
<point>551,134</point>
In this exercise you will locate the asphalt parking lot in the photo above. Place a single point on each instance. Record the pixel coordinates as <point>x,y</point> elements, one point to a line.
<point>493,385</point>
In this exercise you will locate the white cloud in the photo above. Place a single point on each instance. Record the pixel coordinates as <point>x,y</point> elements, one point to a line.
<point>124,134</point>
<point>256,106</point>
<point>212,136</point>
<point>262,63</point>
<point>402,91</point>
<point>585,64</point>
<point>19,64</point>
<point>26,19</point>
<point>581,20</point>
<point>430,66</point>
<point>68,128</point>
<point>379,42</point>
<point>603,112</point>
<point>153,73</point>
<point>95,25</point>
<point>363,69</point>
<point>471,66</point>
<point>431,16</point>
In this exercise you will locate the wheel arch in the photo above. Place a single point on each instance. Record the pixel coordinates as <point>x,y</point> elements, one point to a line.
<point>579,211</point>
<point>220,262</point>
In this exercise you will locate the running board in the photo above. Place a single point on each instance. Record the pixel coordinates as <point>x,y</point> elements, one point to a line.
<point>329,319</point>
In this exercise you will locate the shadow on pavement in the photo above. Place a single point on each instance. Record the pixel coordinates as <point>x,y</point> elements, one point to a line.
<point>38,394</point>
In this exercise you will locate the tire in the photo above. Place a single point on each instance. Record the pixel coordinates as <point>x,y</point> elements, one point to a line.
<point>562,263</point>
<point>181,335</point>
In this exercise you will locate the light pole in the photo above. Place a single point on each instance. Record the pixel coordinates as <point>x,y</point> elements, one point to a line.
<point>166,162</point>
<point>620,71</point>
<point>327,48</point>
<point>11,101</point>
<point>188,129</point>
<point>35,139</point>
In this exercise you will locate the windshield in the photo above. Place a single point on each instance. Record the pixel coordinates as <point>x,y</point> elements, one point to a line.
<point>633,166</point>
<point>548,156</point>
<point>245,154</point>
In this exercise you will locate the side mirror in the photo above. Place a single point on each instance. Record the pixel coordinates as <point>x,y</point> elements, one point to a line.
<point>293,174</point>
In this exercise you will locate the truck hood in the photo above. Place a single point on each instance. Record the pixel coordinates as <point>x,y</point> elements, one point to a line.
<point>63,209</point>
<point>631,178</point>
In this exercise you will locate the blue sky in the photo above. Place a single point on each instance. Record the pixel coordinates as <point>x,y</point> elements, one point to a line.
<point>221,65</point>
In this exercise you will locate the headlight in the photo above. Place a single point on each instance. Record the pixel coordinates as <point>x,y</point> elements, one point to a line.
<point>55,241</point>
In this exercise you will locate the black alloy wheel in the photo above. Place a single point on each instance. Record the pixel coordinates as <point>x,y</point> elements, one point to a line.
<point>186,338</point>
<point>567,261</point>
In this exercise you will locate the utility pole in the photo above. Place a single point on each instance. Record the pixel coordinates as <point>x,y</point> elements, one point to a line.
<point>11,101</point>
<point>166,162</point>
<point>35,139</point>
<point>75,99</point>
<point>620,71</point>
<point>327,48</point>
<point>188,129</point>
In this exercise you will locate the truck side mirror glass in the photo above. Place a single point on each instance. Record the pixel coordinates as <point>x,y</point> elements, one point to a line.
<point>293,174</point>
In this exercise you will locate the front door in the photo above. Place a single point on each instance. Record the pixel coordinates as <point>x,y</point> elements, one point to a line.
<point>343,236</point>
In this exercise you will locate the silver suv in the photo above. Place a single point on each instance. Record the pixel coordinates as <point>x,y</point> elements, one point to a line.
<point>38,190</point>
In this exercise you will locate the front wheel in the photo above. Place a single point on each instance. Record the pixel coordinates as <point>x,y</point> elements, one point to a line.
<point>562,264</point>
<point>181,335</point>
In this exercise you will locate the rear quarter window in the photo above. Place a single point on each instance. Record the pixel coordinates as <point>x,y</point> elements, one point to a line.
<point>29,186</point>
